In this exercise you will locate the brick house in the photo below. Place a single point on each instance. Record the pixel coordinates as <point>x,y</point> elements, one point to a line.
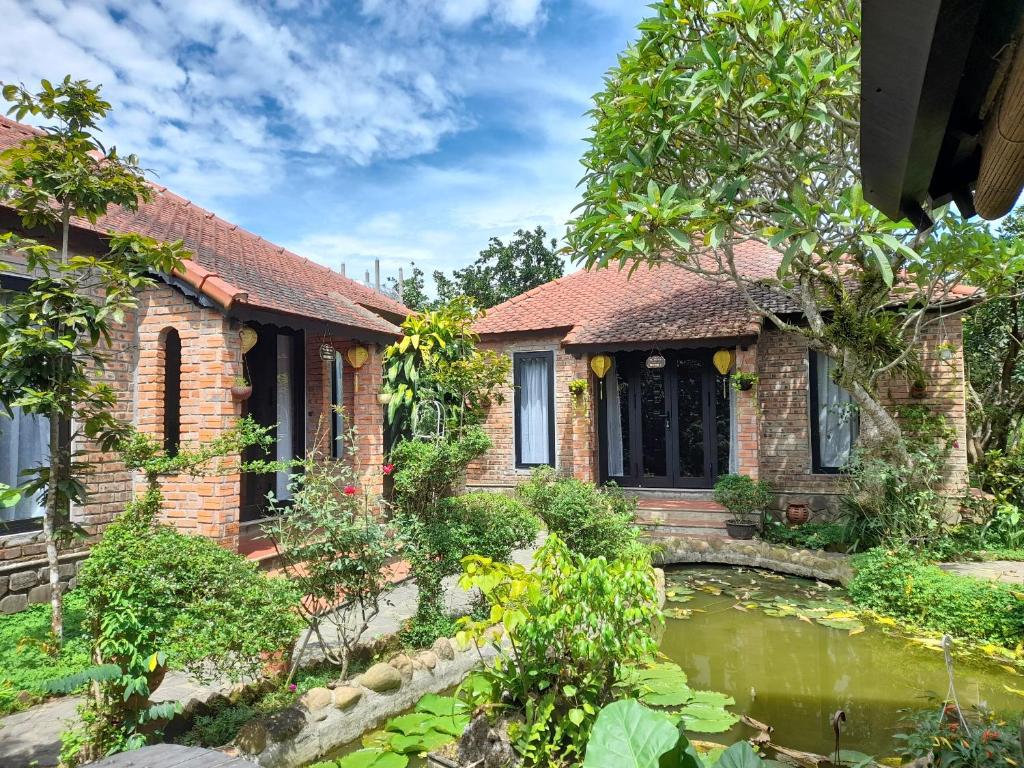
<point>663,422</point>
<point>175,359</point>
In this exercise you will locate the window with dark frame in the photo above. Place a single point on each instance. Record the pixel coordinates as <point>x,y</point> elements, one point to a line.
<point>534,408</point>
<point>337,403</point>
<point>833,416</point>
<point>172,392</point>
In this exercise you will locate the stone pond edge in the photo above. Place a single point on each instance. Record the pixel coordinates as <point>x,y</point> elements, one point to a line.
<point>824,566</point>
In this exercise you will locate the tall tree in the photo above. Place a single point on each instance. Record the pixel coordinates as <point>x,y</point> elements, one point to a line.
<point>56,333</point>
<point>738,122</point>
<point>994,355</point>
<point>504,270</point>
<point>413,291</point>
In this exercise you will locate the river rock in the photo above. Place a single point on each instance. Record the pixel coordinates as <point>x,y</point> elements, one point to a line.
<point>251,738</point>
<point>23,580</point>
<point>404,665</point>
<point>346,696</point>
<point>425,659</point>
<point>13,603</point>
<point>284,724</point>
<point>443,648</point>
<point>381,678</point>
<point>316,698</point>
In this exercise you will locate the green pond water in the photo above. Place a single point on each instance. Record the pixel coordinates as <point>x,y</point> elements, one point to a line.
<point>793,672</point>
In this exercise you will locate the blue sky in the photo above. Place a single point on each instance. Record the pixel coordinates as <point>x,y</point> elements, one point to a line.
<point>409,130</point>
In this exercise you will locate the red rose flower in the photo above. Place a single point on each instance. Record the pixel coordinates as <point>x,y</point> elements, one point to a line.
<point>350,490</point>
<point>388,469</point>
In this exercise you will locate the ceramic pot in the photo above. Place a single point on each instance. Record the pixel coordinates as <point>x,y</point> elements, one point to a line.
<point>740,530</point>
<point>918,390</point>
<point>240,393</point>
<point>797,513</point>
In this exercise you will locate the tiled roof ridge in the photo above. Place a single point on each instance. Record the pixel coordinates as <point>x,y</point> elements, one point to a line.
<point>242,231</point>
<point>213,238</point>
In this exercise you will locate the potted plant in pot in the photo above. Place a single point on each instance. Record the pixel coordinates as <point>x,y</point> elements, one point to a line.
<point>241,389</point>
<point>743,496</point>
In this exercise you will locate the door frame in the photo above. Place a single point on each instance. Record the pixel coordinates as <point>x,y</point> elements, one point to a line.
<point>633,363</point>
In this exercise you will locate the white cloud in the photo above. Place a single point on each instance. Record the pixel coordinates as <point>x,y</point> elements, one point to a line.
<point>418,16</point>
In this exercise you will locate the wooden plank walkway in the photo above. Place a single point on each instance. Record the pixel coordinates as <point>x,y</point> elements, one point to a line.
<point>172,756</point>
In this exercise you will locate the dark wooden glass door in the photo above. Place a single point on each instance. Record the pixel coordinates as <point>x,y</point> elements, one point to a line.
<point>662,427</point>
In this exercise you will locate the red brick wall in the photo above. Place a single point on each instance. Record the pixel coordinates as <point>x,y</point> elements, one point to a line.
<point>773,442</point>
<point>785,453</point>
<point>575,438</point>
<point>210,362</point>
<point>363,412</point>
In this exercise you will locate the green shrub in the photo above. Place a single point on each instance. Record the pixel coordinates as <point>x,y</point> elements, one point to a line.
<point>591,521</point>
<point>156,597</point>
<point>742,495</point>
<point>574,624</point>
<point>937,736</point>
<point>439,528</point>
<point>813,535</point>
<point>490,524</point>
<point>895,583</point>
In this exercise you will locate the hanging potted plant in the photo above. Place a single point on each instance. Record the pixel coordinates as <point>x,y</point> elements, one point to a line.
<point>241,389</point>
<point>746,499</point>
<point>918,387</point>
<point>579,388</point>
<point>743,381</point>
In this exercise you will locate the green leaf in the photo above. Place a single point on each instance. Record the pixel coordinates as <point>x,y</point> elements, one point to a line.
<point>739,755</point>
<point>373,758</point>
<point>627,734</point>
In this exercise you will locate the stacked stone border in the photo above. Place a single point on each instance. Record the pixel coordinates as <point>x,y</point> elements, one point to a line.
<point>825,566</point>
<point>325,719</point>
<point>24,584</point>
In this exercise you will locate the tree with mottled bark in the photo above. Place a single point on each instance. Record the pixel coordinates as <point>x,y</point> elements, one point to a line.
<point>738,122</point>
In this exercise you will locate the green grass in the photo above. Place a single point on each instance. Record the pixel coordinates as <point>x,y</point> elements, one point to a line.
<point>25,658</point>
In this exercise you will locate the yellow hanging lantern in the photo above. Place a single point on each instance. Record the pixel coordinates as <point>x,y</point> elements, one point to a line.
<point>723,360</point>
<point>357,357</point>
<point>600,365</point>
<point>247,335</point>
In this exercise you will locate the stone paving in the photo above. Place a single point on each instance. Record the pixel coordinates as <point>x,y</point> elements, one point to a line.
<point>32,738</point>
<point>1009,571</point>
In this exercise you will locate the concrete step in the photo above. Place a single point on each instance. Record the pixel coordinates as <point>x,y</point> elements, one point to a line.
<point>655,533</point>
<point>691,494</point>
<point>698,519</point>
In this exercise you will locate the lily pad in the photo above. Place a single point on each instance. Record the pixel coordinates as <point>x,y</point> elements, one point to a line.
<point>712,698</point>
<point>373,758</point>
<point>421,742</point>
<point>706,718</point>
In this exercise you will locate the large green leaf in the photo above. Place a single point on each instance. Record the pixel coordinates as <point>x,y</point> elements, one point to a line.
<point>420,742</point>
<point>739,755</point>
<point>627,734</point>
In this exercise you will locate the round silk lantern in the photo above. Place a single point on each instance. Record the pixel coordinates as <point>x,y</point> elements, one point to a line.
<point>600,365</point>
<point>357,357</point>
<point>723,360</point>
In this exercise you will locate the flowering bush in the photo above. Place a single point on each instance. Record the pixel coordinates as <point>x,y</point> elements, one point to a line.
<point>955,739</point>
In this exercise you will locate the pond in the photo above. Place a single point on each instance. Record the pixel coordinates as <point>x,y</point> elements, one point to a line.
<point>791,652</point>
<point>793,672</point>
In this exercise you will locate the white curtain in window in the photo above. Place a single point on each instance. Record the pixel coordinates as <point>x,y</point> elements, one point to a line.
<point>24,445</point>
<point>284,413</point>
<point>534,419</point>
<point>337,400</point>
<point>836,421</point>
<point>613,417</point>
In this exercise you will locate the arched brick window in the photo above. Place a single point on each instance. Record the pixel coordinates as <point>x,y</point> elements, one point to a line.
<point>172,392</point>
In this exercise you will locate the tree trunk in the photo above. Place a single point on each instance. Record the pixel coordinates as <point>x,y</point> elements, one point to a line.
<point>50,529</point>
<point>878,426</point>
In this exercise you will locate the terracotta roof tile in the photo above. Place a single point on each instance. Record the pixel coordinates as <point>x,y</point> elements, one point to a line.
<point>653,305</point>
<point>274,278</point>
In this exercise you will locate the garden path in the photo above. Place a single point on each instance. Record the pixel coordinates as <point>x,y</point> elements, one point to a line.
<point>1010,571</point>
<point>32,737</point>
